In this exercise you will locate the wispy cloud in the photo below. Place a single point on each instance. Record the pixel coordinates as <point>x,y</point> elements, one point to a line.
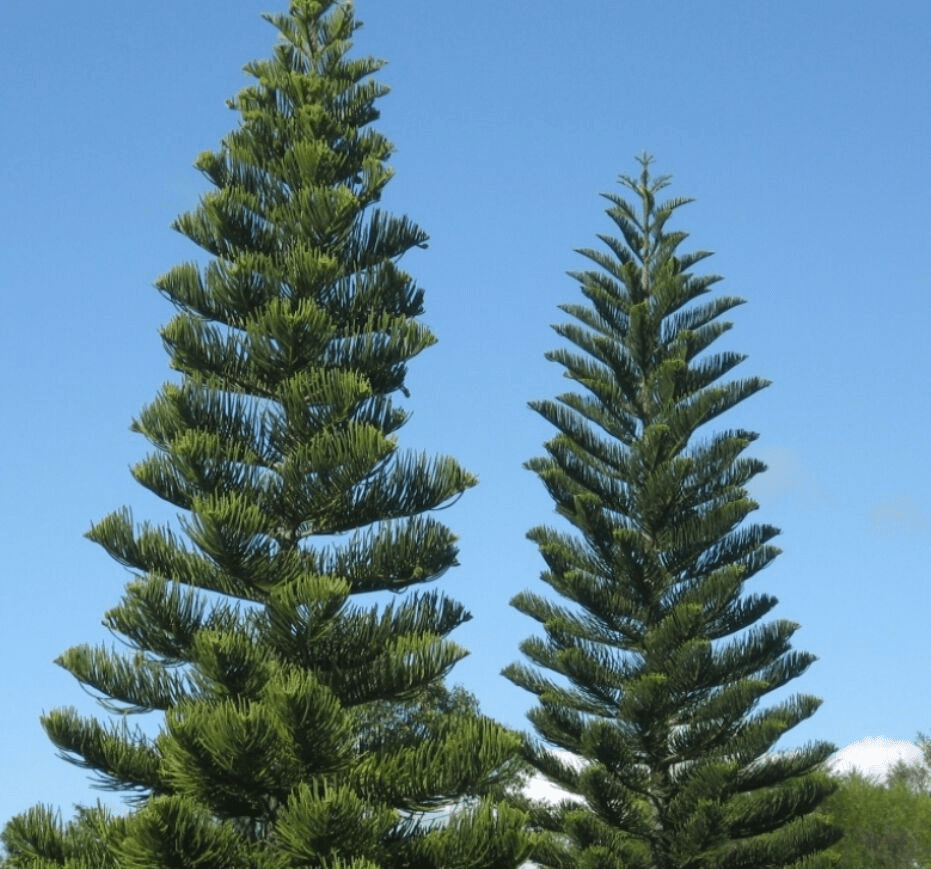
<point>900,515</point>
<point>785,475</point>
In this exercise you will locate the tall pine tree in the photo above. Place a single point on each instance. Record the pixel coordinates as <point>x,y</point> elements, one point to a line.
<point>249,633</point>
<point>658,656</point>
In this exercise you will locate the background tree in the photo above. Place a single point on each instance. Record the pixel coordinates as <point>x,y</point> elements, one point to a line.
<point>916,774</point>
<point>250,638</point>
<point>658,657</point>
<point>886,824</point>
<point>37,839</point>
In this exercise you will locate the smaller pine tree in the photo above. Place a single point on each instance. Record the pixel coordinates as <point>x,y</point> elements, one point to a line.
<point>659,658</point>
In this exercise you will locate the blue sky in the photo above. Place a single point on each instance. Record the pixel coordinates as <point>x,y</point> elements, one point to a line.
<point>802,131</point>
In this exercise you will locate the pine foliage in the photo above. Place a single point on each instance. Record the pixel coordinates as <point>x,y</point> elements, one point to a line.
<point>250,639</point>
<point>653,657</point>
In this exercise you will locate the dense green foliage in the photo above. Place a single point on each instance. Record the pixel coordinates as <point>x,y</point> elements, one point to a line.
<point>658,656</point>
<point>252,643</point>
<point>885,826</point>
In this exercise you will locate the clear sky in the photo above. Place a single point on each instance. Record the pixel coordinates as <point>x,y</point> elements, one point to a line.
<point>801,128</point>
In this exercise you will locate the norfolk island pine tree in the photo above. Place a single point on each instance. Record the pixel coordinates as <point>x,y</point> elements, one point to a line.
<point>657,656</point>
<point>251,639</point>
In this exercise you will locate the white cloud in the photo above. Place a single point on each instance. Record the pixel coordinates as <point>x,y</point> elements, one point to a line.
<point>541,788</point>
<point>873,757</point>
